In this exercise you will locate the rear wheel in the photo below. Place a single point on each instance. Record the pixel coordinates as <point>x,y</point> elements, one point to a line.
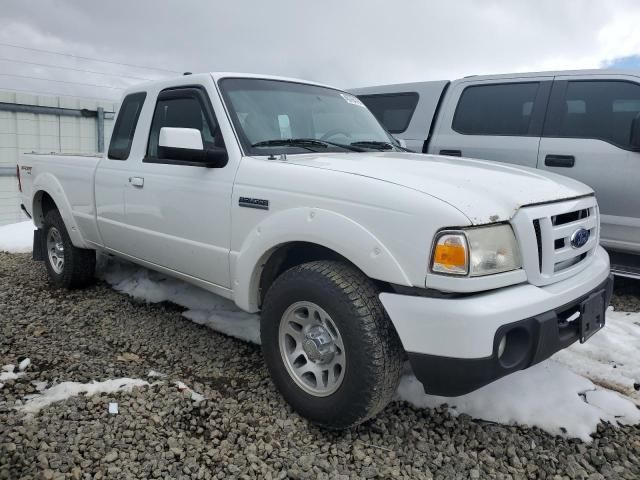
<point>330,347</point>
<point>67,265</point>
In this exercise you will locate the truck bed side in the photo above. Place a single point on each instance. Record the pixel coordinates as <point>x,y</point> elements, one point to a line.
<point>67,181</point>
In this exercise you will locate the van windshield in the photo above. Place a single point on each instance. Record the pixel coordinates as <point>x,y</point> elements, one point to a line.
<point>274,116</point>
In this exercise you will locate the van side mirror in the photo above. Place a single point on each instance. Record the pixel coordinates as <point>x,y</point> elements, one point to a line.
<point>186,144</point>
<point>634,137</point>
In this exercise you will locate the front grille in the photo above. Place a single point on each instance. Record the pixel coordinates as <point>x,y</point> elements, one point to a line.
<point>546,231</point>
<point>536,228</point>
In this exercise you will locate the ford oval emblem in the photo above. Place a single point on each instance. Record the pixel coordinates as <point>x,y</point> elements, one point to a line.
<point>580,237</point>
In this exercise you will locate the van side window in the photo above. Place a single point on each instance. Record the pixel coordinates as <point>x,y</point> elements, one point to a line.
<point>125,126</point>
<point>596,109</point>
<point>496,109</point>
<point>184,109</point>
<point>393,110</point>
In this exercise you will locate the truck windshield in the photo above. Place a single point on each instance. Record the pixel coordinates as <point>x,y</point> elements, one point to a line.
<point>274,116</point>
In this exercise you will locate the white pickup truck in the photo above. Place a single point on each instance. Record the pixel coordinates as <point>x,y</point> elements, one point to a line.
<point>290,198</point>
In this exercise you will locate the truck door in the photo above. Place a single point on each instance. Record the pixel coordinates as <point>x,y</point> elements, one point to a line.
<point>113,172</point>
<point>587,137</point>
<point>493,119</point>
<point>179,212</point>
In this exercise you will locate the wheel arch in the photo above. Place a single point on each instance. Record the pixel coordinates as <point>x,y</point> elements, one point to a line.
<point>49,195</point>
<point>301,235</point>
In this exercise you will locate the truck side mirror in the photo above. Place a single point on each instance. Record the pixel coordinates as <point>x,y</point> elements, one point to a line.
<point>186,144</point>
<point>180,138</point>
<point>634,137</point>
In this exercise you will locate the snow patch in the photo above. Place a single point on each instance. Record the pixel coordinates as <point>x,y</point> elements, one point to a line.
<point>8,373</point>
<point>17,237</point>
<point>195,396</point>
<point>235,323</point>
<point>204,308</point>
<point>40,386</point>
<point>547,395</point>
<point>611,358</point>
<point>66,390</point>
<point>22,366</point>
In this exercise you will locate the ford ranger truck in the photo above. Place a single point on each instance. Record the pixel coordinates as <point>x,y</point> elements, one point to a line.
<point>290,199</point>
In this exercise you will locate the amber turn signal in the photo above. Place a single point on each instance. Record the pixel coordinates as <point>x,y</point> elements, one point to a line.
<point>450,254</point>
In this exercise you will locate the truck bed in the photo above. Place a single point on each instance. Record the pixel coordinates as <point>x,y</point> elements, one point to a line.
<point>69,180</point>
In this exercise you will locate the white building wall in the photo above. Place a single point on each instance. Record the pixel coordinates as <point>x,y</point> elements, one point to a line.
<point>9,206</point>
<point>29,132</point>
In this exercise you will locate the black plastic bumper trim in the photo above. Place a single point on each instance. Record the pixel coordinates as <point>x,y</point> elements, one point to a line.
<point>534,339</point>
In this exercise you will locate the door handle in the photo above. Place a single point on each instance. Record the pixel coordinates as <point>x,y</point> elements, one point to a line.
<point>566,161</point>
<point>451,153</point>
<point>136,181</point>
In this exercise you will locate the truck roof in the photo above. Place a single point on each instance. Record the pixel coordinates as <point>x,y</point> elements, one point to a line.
<point>199,77</point>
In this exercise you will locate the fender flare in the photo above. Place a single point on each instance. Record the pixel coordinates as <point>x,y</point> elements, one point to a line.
<point>323,227</point>
<point>49,184</point>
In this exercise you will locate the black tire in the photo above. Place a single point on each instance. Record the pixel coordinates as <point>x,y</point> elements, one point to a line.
<point>374,354</point>
<point>79,264</point>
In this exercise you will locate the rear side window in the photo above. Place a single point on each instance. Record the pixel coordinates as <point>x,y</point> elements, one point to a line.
<point>497,109</point>
<point>125,126</point>
<point>393,110</point>
<point>601,110</point>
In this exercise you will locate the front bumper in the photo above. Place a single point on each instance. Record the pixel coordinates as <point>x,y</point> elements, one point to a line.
<point>452,344</point>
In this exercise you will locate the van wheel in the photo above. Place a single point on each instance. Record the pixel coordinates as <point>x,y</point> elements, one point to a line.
<point>68,266</point>
<point>329,345</point>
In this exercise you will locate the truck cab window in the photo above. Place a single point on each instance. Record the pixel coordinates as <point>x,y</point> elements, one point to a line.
<point>600,110</point>
<point>183,112</point>
<point>393,110</point>
<point>497,109</point>
<point>125,126</point>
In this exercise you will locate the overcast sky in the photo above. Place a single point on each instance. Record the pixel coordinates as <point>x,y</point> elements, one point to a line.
<point>340,42</point>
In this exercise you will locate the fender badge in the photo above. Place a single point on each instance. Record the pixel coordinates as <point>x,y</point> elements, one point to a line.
<point>259,203</point>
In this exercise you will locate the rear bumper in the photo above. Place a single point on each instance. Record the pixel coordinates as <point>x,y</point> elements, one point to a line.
<point>452,344</point>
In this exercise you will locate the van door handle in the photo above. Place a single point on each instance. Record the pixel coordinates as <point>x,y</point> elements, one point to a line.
<point>136,181</point>
<point>451,153</point>
<point>566,161</point>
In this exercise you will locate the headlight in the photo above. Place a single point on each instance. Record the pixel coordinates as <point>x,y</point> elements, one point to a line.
<point>476,251</point>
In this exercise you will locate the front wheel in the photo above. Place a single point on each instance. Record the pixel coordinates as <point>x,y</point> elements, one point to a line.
<point>330,347</point>
<point>67,265</point>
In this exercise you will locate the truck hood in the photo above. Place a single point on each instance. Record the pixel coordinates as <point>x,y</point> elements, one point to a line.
<point>483,191</point>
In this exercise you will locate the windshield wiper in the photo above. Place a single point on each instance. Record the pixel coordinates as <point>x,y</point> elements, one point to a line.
<point>308,143</point>
<point>381,145</point>
<point>374,144</point>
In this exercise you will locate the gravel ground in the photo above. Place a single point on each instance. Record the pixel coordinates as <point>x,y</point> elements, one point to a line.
<point>243,429</point>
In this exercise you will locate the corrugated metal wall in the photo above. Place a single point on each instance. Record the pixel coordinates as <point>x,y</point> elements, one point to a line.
<point>28,132</point>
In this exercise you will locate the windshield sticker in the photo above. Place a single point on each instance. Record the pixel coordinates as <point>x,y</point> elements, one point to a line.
<point>352,100</point>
